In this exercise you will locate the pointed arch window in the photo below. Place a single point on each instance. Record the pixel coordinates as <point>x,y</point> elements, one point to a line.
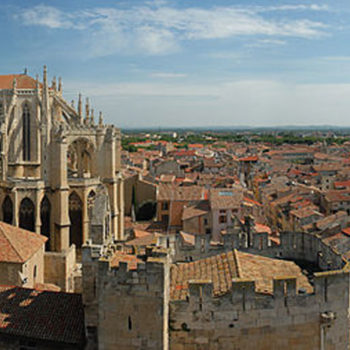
<point>26,132</point>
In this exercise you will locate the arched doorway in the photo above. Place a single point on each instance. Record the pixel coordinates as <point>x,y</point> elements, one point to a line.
<point>76,220</point>
<point>45,213</point>
<point>7,210</point>
<point>27,215</point>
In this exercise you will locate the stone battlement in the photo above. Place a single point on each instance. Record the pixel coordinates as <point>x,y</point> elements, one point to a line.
<point>244,295</point>
<point>293,246</point>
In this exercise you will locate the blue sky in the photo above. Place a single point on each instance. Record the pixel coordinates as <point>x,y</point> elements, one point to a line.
<point>160,63</point>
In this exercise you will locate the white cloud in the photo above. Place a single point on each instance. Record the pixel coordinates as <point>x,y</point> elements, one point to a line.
<point>156,28</point>
<point>167,75</point>
<point>267,42</point>
<point>298,7</point>
<point>337,58</point>
<point>46,16</point>
<point>244,102</point>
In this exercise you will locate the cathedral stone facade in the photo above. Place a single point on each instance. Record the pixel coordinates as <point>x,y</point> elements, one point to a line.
<point>55,161</point>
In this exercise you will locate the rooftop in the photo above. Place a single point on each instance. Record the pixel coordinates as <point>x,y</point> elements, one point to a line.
<point>23,81</point>
<point>18,245</point>
<point>221,269</point>
<point>50,316</point>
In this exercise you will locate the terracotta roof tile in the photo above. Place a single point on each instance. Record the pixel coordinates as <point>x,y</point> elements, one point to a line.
<point>18,245</point>
<point>23,81</point>
<point>131,259</point>
<point>169,192</point>
<point>200,209</point>
<point>224,198</point>
<point>221,269</point>
<point>51,316</point>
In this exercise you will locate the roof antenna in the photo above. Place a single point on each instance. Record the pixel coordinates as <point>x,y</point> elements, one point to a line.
<point>25,71</point>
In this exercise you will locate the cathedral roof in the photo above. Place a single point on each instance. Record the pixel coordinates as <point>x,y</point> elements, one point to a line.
<point>18,245</point>
<point>23,81</point>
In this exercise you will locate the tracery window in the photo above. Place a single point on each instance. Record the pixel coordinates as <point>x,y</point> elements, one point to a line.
<point>26,132</point>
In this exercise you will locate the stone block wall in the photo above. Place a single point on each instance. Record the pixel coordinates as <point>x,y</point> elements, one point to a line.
<point>127,308</point>
<point>294,246</point>
<point>59,268</point>
<point>244,320</point>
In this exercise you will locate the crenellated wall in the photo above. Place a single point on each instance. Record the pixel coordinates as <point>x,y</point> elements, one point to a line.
<point>300,246</point>
<point>244,319</point>
<point>127,308</point>
<point>127,305</point>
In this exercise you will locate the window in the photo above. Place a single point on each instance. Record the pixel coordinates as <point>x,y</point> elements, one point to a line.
<point>205,221</point>
<point>165,206</point>
<point>26,132</point>
<point>165,219</point>
<point>129,323</point>
<point>222,211</point>
<point>35,272</point>
<point>222,219</point>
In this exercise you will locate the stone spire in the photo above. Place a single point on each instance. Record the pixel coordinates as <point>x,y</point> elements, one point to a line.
<point>87,108</point>
<point>54,84</point>
<point>60,84</point>
<point>92,118</point>
<point>45,77</point>
<point>87,112</point>
<point>45,94</point>
<point>80,111</point>
<point>100,120</point>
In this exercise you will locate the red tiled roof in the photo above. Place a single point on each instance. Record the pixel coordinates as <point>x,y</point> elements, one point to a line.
<point>221,269</point>
<point>262,228</point>
<point>49,316</point>
<point>346,231</point>
<point>195,145</point>
<point>252,201</point>
<point>23,81</point>
<point>305,212</point>
<point>184,153</point>
<point>249,159</point>
<point>200,209</point>
<point>131,259</point>
<point>140,233</point>
<point>170,192</point>
<point>150,239</point>
<point>187,238</point>
<point>342,183</point>
<point>18,245</point>
<point>223,198</point>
